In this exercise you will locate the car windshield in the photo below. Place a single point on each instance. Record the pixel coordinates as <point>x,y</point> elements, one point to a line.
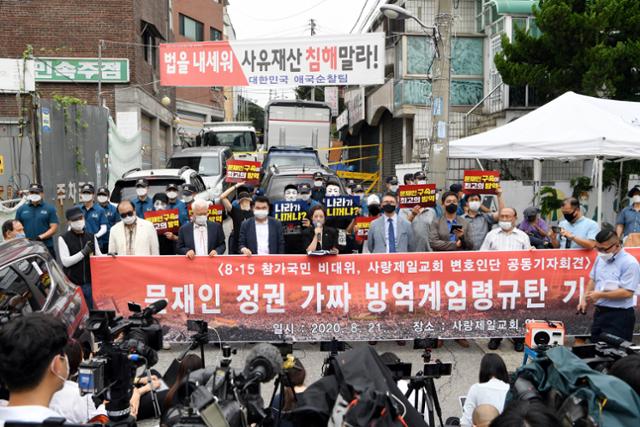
<point>291,158</point>
<point>238,141</point>
<point>205,165</point>
<point>276,187</point>
<point>126,190</point>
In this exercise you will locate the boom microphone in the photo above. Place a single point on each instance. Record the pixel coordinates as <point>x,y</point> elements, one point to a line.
<point>154,308</point>
<point>263,362</point>
<point>617,342</point>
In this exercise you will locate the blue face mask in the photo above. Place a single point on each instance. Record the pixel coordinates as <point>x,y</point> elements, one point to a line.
<point>20,236</point>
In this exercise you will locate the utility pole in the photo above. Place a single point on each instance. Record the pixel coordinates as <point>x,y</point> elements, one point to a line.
<point>312,27</point>
<point>441,89</point>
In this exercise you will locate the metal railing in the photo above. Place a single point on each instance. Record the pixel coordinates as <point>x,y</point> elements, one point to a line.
<point>493,102</point>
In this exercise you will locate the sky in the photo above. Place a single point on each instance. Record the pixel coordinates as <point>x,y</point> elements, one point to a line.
<point>261,19</point>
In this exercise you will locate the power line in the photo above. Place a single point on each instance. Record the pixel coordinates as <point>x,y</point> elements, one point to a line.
<point>359,15</point>
<point>286,17</point>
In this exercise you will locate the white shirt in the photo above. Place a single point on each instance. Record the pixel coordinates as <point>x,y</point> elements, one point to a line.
<point>394,220</point>
<point>493,393</point>
<point>27,413</point>
<point>262,237</point>
<point>499,240</point>
<point>201,239</point>
<point>76,408</point>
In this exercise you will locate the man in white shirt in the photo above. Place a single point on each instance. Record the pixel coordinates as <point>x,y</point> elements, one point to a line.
<point>200,237</point>
<point>262,234</point>
<point>132,235</point>
<point>506,238</point>
<point>33,366</point>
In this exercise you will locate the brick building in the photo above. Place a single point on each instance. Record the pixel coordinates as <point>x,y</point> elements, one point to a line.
<point>198,20</point>
<point>131,29</point>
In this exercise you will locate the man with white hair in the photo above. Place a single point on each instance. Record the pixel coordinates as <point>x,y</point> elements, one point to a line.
<point>201,237</point>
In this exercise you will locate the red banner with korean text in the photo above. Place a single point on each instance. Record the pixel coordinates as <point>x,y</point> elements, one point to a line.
<point>363,223</point>
<point>354,297</point>
<point>421,194</point>
<point>481,182</point>
<point>214,214</point>
<point>243,171</point>
<point>164,221</point>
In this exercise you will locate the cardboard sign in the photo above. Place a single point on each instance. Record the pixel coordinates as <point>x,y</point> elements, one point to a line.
<point>215,213</point>
<point>164,221</point>
<point>289,212</point>
<point>363,223</point>
<point>243,171</point>
<point>481,182</point>
<point>342,206</point>
<point>420,194</point>
<point>470,294</point>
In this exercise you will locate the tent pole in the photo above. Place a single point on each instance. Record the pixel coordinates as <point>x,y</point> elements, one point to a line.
<point>600,168</point>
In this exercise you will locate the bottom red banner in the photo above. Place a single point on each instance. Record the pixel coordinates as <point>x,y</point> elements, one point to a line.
<point>353,297</point>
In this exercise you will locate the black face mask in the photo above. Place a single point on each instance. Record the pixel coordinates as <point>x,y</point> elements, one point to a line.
<point>569,216</point>
<point>531,219</point>
<point>452,208</point>
<point>374,210</point>
<point>389,208</point>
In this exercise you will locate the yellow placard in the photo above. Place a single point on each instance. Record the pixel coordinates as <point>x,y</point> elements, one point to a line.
<point>1,165</point>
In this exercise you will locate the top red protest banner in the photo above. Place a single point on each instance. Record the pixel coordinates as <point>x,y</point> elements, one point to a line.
<point>243,171</point>
<point>481,182</point>
<point>419,194</point>
<point>352,59</point>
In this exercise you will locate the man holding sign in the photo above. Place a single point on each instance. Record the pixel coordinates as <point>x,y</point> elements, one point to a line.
<point>202,237</point>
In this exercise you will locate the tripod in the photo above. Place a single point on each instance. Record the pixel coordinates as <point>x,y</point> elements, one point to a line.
<point>282,381</point>
<point>424,386</point>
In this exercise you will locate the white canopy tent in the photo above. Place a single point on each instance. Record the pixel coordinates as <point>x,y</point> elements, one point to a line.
<point>570,127</point>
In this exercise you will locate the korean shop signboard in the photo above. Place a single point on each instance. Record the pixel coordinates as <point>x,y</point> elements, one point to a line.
<point>82,70</point>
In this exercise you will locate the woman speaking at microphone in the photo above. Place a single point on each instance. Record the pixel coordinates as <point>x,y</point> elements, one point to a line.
<point>319,237</point>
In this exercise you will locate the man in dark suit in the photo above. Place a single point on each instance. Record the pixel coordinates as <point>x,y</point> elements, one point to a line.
<point>261,235</point>
<point>200,237</point>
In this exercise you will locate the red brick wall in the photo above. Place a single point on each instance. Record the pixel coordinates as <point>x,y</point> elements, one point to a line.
<point>209,12</point>
<point>72,28</point>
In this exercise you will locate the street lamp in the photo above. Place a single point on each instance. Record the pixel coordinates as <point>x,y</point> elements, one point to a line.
<point>441,84</point>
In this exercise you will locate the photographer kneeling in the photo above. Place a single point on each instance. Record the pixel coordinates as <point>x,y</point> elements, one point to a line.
<point>33,366</point>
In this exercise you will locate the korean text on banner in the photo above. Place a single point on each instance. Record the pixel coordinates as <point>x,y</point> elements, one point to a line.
<point>352,59</point>
<point>342,206</point>
<point>481,182</point>
<point>421,194</point>
<point>363,223</point>
<point>243,171</point>
<point>289,212</point>
<point>214,215</point>
<point>354,297</point>
<point>164,221</point>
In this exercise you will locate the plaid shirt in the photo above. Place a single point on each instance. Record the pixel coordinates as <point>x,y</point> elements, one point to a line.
<point>479,226</point>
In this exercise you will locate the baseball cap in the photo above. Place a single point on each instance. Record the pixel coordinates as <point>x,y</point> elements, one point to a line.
<point>172,186</point>
<point>419,175</point>
<point>244,195</point>
<point>304,189</point>
<point>373,199</point>
<point>87,188</point>
<point>392,179</point>
<point>103,191</point>
<point>73,213</point>
<point>531,211</point>
<point>35,188</point>
<point>291,187</point>
<point>188,189</point>
<point>318,175</point>
<point>142,183</point>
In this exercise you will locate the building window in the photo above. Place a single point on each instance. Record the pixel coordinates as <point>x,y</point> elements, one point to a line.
<point>150,47</point>
<point>191,28</point>
<point>214,34</point>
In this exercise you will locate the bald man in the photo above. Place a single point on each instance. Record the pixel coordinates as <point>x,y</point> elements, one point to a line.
<point>132,235</point>
<point>483,415</point>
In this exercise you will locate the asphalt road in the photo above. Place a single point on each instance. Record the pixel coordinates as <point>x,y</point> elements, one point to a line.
<point>466,363</point>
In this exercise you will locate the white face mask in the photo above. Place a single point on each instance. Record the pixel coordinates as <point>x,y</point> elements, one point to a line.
<point>475,205</point>
<point>159,206</point>
<point>505,225</point>
<point>172,195</point>
<point>332,191</point>
<point>102,199</point>
<point>129,219</point>
<point>636,198</point>
<point>305,197</point>
<point>318,183</point>
<point>393,188</point>
<point>62,378</point>
<point>35,198</point>
<point>260,213</point>
<point>290,195</point>
<point>141,191</point>
<point>187,199</point>
<point>77,225</point>
<point>421,182</point>
<point>84,197</point>
<point>201,219</point>
<point>606,257</point>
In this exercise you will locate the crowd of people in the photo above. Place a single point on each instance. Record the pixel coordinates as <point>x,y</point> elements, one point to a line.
<point>459,222</point>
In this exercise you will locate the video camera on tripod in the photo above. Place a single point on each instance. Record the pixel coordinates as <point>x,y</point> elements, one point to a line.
<point>604,353</point>
<point>125,344</point>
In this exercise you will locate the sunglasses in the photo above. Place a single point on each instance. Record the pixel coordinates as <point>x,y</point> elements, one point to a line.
<point>126,214</point>
<point>603,250</point>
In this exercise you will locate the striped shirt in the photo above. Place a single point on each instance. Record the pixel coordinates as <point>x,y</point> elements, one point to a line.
<point>499,240</point>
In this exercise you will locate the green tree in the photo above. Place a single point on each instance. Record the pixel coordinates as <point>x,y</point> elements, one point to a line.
<point>590,47</point>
